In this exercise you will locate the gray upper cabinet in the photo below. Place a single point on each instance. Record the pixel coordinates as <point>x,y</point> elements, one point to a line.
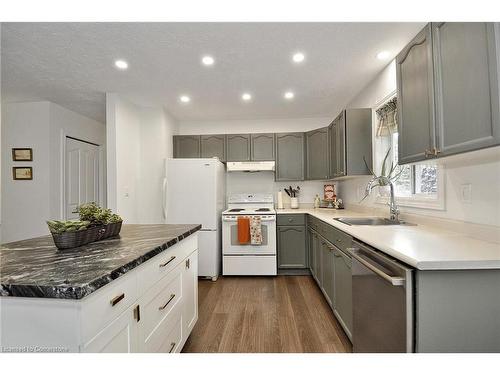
<point>350,136</point>
<point>415,86</point>
<point>186,146</point>
<point>317,154</point>
<point>292,250</point>
<point>262,147</point>
<point>238,147</point>
<point>466,84</point>
<point>213,146</point>
<point>289,156</point>
<point>448,85</point>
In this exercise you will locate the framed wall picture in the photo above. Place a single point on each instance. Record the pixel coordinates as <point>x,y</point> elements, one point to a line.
<point>22,173</point>
<point>22,154</point>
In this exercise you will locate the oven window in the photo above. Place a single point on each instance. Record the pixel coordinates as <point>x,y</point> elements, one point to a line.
<point>234,236</point>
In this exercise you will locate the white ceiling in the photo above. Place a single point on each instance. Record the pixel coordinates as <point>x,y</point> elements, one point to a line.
<point>72,64</point>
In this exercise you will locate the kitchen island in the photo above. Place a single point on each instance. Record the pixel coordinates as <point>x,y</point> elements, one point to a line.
<point>133,293</point>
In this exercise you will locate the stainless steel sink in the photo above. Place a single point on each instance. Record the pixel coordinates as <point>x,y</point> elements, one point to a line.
<point>369,221</point>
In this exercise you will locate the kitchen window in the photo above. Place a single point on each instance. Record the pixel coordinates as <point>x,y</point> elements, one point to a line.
<point>418,185</point>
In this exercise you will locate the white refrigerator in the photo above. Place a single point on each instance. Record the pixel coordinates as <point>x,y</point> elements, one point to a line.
<point>194,193</point>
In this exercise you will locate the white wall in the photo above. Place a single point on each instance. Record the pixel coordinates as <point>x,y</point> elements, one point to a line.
<point>26,205</point>
<point>480,168</point>
<point>253,126</point>
<point>139,138</point>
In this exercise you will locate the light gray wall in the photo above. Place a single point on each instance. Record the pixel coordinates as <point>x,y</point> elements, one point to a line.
<point>26,205</point>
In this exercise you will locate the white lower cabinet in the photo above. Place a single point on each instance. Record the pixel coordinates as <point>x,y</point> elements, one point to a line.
<point>152,308</point>
<point>161,319</point>
<point>118,337</point>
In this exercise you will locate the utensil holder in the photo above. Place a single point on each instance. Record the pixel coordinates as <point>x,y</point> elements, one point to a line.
<point>294,202</point>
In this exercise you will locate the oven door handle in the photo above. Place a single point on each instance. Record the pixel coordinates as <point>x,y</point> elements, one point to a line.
<point>394,280</point>
<point>235,220</point>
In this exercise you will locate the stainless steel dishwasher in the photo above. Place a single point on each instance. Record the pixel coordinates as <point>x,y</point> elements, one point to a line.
<point>382,299</point>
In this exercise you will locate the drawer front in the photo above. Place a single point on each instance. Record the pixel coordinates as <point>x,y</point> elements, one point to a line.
<point>336,237</point>
<point>106,304</point>
<point>167,338</point>
<point>313,223</point>
<point>159,266</point>
<point>159,304</point>
<point>291,219</point>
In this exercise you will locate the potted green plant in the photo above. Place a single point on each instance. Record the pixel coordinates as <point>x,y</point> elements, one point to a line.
<point>99,216</point>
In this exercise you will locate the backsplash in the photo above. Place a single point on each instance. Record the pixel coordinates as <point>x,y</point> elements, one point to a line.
<point>263,182</point>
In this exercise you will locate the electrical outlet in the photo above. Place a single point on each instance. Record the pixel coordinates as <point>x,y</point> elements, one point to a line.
<point>466,193</point>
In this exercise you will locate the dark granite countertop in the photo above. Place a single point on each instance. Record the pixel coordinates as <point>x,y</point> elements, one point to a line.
<point>36,268</point>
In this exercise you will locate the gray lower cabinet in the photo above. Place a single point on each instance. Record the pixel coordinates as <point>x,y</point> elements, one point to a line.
<point>457,311</point>
<point>186,146</point>
<point>238,147</point>
<point>213,146</point>
<point>350,137</point>
<point>447,81</point>
<point>289,156</point>
<point>327,275</point>
<point>317,154</point>
<point>262,147</point>
<point>292,250</point>
<point>343,289</point>
<point>466,84</point>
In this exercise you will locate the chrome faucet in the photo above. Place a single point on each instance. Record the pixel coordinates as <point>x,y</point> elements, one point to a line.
<point>383,181</point>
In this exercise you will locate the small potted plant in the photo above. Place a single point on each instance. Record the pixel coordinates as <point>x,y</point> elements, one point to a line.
<point>99,216</point>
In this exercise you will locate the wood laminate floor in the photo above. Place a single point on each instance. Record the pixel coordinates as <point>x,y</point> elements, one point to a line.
<point>283,314</point>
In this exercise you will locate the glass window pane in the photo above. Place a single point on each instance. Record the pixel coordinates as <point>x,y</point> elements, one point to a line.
<point>402,186</point>
<point>426,179</point>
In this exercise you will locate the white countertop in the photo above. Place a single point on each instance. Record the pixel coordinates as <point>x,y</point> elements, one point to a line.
<point>421,246</point>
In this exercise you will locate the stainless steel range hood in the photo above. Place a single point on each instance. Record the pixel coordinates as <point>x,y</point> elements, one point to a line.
<point>250,166</point>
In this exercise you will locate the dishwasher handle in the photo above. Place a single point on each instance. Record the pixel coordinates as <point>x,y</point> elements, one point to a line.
<point>394,280</point>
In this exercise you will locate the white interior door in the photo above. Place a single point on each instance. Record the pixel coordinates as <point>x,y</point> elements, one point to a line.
<point>82,175</point>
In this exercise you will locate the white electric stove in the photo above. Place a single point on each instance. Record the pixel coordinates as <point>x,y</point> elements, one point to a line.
<point>248,259</point>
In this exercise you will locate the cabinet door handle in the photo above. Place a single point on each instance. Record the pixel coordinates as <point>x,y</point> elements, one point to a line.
<point>172,296</point>
<point>428,153</point>
<point>137,313</point>
<point>168,261</point>
<point>172,346</point>
<point>117,299</point>
<point>188,263</point>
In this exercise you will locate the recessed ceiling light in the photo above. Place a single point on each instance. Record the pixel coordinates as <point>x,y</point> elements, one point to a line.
<point>184,98</point>
<point>289,95</point>
<point>121,64</point>
<point>298,57</point>
<point>208,60</point>
<point>246,96</point>
<point>382,55</point>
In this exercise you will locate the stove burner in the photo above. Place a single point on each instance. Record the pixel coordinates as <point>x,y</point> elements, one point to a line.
<point>262,210</point>
<point>236,209</point>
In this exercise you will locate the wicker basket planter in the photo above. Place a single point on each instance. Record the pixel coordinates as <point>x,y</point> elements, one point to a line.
<point>112,230</point>
<point>68,240</point>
